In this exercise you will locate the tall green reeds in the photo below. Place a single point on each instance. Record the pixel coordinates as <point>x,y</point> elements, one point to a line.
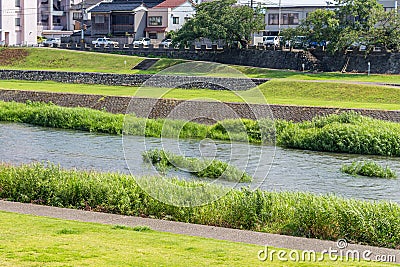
<point>299,214</point>
<point>368,168</point>
<point>344,133</point>
<point>214,169</point>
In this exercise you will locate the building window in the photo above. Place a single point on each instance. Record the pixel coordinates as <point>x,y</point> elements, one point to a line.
<point>17,3</point>
<point>152,35</point>
<point>155,21</point>
<point>99,19</point>
<point>175,20</point>
<point>17,22</point>
<point>273,19</point>
<point>77,16</point>
<point>290,18</point>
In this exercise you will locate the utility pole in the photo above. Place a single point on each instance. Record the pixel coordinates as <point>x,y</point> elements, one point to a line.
<point>279,17</point>
<point>82,20</point>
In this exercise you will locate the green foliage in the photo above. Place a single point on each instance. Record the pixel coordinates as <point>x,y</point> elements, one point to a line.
<point>300,214</point>
<point>346,132</point>
<point>369,168</point>
<point>163,160</point>
<point>221,20</point>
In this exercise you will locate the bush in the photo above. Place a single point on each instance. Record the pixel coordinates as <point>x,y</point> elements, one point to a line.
<point>300,214</point>
<point>163,160</point>
<point>369,168</point>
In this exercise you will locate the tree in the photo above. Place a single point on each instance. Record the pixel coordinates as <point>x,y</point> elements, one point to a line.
<point>320,25</point>
<point>387,32</point>
<point>221,20</point>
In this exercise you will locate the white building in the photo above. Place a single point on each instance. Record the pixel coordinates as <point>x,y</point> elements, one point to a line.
<point>168,16</point>
<point>52,17</point>
<point>16,17</point>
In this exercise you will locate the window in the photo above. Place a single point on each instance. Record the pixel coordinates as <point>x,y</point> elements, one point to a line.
<point>17,3</point>
<point>175,20</point>
<point>290,18</point>
<point>77,16</point>
<point>122,19</point>
<point>99,19</point>
<point>273,19</point>
<point>155,21</point>
<point>152,35</point>
<point>17,22</point>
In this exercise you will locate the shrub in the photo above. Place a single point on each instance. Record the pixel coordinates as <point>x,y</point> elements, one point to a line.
<point>368,168</point>
<point>163,160</point>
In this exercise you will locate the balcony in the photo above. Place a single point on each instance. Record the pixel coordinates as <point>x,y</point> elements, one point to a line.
<point>122,28</point>
<point>57,13</point>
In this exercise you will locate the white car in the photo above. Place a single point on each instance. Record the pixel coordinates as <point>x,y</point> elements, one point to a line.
<point>52,41</point>
<point>104,41</point>
<point>142,41</point>
<point>166,42</point>
<point>271,40</point>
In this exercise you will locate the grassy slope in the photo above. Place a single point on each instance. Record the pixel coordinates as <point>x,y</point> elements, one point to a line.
<point>54,242</point>
<point>62,60</point>
<point>68,60</point>
<point>275,92</point>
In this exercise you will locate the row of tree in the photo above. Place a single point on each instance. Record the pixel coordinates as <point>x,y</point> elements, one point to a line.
<point>348,22</point>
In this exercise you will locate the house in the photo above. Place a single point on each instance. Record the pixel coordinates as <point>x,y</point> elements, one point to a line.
<point>121,17</point>
<point>168,16</point>
<point>16,27</point>
<point>389,5</point>
<point>285,14</point>
<point>79,13</point>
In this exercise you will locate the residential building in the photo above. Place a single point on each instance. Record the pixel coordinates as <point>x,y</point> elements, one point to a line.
<point>16,27</point>
<point>52,17</point>
<point>121,17</point>
<point>168,16</point>
<point>389,5</point>
<point>79,13</point>
<point>285,14</point>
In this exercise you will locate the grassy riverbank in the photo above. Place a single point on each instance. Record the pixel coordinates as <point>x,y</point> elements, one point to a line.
<point>55,242</point>
<point>299,214</point>
<point>275,92</point>
<point>345,133</point>
<point>68,60</point>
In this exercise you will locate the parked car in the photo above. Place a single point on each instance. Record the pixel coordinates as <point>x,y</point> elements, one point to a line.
<point>142,41</point>
<point>104,41</point>
<point>50,42</point>
<point>2,43</point>
<point>271,40</point>
<point>166,42</point>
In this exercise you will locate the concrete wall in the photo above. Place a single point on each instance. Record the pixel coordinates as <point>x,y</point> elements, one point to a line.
<point>200,111</point>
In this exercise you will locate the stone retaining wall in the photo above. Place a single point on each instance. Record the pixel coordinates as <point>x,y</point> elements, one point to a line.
<point>259,56</point>
<point>166,81</point>
<point>200,111</point>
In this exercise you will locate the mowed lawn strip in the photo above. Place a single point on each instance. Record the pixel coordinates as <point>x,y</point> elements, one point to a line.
<point>275,92</point>
<point>39,241</point>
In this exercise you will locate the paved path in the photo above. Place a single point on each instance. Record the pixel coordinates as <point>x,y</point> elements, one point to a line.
<point>220,233</point>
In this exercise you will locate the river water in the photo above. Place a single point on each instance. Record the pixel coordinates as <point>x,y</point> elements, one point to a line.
<point>274,169</point>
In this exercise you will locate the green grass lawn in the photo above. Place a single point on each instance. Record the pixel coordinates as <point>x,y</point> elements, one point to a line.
<point>275,92</point>
<point>69,60</point>
<point>63,60</point>
<point>39,241</point>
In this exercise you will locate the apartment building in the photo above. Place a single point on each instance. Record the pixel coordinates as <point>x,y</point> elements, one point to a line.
<point>16,27</point>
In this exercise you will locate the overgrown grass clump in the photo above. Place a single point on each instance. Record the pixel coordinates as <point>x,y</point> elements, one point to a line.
<point>368,168</point>
<point>345,132</point>
<point>299,214</point>
<point>205,168</point>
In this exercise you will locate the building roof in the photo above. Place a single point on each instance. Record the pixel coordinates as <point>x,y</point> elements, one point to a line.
<point>88,4</point>
<point>120,5</point>
<point>289,3</point>
<point>171,3</point>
